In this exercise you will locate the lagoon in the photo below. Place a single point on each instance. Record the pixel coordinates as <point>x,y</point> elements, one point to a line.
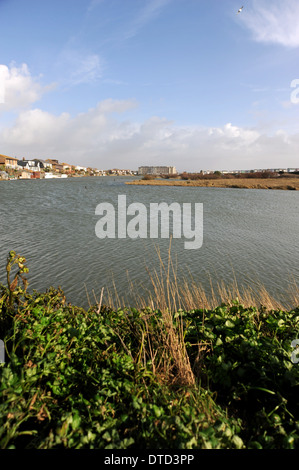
<point>250,235</point>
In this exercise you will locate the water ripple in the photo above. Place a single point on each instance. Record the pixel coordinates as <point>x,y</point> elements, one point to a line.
<point>250,234</point>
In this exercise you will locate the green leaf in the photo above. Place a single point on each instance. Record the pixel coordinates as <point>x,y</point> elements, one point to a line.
<point>229,324</point>
<point>237,441</point>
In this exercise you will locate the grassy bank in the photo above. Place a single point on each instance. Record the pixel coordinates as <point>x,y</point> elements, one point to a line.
<point>151,377</point>
<point>244,183</point>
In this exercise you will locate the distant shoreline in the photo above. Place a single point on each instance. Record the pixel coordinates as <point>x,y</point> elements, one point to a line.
<point>237,183</point>
<point>68,177</point>
<point>278,183</point>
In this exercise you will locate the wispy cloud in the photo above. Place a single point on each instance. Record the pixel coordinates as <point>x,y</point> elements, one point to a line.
<point>87,69</point>
<point>273,22</point>
<point>149,10</point>
<point>148,13</point>
<point>93,4</point>
<point>79,67</point>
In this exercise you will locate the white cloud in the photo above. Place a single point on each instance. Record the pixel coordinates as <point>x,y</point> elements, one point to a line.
<point>19,88</point>
<point>273,22</point>
<point>35,129</point>
<point>101,138</point>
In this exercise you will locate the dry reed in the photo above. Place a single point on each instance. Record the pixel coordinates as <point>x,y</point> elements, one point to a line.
<point>165,346</point>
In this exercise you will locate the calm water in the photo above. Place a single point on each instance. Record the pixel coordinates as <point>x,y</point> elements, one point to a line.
<point>250,234</point>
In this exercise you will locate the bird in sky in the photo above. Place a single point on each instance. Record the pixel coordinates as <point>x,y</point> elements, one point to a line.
<point>239,11</point>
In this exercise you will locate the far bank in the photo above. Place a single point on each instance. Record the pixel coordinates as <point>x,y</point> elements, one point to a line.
<point>282,183</point>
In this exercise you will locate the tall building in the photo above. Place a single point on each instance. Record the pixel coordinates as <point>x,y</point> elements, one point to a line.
<point>157,170</point>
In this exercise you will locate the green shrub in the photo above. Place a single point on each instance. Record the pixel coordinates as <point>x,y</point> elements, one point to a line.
<point>72,379</point>
<point>249,365</point>
<point>107,379</point>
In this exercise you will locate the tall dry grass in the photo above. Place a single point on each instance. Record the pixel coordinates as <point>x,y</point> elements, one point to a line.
<point>165,347</point>
<point>166,292</point>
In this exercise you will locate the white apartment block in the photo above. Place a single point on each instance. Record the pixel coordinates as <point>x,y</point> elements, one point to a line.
<point>157,170</point>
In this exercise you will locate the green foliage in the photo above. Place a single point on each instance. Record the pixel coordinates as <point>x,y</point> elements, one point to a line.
<point>84,379</point>
<point>72,379</point>
<point>248,363</point>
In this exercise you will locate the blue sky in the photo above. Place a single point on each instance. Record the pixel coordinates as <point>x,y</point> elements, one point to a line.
<point>123,83</point>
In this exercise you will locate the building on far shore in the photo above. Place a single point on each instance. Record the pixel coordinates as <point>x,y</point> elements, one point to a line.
<point>43,164</point>
<point>31,165</point>
<point>9,162</point>
<point>56,166</point>
<point>157,170</point>
<point>24,175</point>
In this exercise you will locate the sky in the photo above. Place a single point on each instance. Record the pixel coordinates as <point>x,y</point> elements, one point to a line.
<point>124,83</point>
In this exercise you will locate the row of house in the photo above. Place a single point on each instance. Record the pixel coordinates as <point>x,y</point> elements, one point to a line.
<point>35,167</point>
<point>39,168</point>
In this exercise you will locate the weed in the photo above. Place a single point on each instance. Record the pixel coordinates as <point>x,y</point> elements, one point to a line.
<point>155,377</point>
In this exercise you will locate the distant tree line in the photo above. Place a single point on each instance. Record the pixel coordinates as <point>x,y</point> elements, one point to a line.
<point>218,174</point>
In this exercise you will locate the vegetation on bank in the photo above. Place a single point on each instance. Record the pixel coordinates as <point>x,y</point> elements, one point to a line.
<point>265,174</point>
<point>144,378</point>
<point>251,180</point>
<point>282,183</point>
